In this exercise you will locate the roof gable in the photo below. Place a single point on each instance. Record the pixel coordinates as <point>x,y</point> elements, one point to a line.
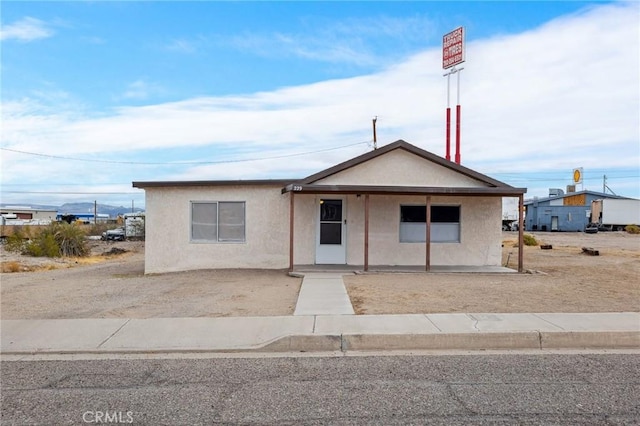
<point>401,163</point>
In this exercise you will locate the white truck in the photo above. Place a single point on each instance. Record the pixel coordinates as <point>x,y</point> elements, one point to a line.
<point>611,214</point>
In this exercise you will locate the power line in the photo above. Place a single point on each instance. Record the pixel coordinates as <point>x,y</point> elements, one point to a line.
<point>179,163</point>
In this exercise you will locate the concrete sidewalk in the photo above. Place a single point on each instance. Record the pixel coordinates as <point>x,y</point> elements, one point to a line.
<point>323,294</point>
<point>323,333</point>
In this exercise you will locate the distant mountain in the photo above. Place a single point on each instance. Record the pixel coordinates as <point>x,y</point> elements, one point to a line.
<point>112,211</point>
<point>28,205</point>
<point>73,208</point>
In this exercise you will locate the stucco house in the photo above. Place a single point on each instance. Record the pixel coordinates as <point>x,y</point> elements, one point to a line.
<point>375,209</point>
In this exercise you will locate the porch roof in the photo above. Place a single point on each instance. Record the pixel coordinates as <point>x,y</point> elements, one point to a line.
<point>499,191</point>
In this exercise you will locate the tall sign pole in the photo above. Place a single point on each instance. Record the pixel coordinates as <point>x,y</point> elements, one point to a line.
<point>453,54</point>
<point>448,137</point>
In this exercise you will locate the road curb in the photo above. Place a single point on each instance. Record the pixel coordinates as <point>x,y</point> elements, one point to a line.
<point>441,341</point>
<point>304,343</point>
<point>527,340</point>
<point>590,340</point>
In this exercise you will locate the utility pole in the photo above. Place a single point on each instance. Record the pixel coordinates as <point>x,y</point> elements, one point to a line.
<point>95,212</point>
<point>375,139</point>
<point>605,186</point>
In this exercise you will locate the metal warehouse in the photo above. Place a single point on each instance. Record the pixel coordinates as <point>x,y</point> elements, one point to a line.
<point>560,211</point>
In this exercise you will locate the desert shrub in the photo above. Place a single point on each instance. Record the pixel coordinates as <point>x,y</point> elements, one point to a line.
<point>529,240</point>
<point>71,241</point>
<point>58,239</point>
<point>632,229</point>
<point>16,242</point>
<point>11,266</point>
<point>44,245</point>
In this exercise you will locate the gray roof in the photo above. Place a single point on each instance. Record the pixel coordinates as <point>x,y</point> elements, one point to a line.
<point>572,194</point>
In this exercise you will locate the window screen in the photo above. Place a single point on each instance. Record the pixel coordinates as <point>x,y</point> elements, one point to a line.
<point>218,221</point>
<point>204,219</point>
<point>231,222</point>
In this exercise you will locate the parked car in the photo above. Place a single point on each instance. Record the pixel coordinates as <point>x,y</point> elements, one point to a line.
<point>591,228</point>
<point>117,234</point>
<point>510,226</point>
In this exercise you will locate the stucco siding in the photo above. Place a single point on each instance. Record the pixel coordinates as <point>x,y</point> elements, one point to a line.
<point>480,231</point>
<point>400,167</point>
<point>479,235</point>
<point>305,219</point>
<point>168,247</point>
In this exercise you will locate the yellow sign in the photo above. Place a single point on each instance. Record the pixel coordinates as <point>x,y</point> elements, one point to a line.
<point>577,175</point>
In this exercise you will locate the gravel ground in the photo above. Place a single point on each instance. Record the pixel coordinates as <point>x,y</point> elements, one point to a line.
<point>115,286</point>
<point>566,280</point>
<point>108,285</point>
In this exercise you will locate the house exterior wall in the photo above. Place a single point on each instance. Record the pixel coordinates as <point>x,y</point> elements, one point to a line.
<point>267,220</point>
<point>400,168</point>
<point>479,244</point>
<point>168,247</point>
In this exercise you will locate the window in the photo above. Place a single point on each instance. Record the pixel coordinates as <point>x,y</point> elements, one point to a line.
<point>445,224</point>
<point>221,221</point>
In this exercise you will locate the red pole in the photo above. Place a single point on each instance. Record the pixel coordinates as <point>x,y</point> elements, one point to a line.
<point>458,134</point>
<point>448,153</point>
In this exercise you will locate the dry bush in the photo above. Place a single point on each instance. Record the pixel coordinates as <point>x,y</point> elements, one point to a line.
<point>632,229</point>
<point>12,266</point>
<point>58,239</point>
<point>529,240</point>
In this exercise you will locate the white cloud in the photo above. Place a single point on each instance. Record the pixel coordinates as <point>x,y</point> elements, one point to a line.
<point>26,29</point>
<point>141,90</point>
<point>560,96</point>
<point>355,41</point>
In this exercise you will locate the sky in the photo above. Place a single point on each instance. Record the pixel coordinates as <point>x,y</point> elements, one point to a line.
<point>95,95</point>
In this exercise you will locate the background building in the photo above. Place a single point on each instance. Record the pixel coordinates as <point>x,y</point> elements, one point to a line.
<point>562,212</point>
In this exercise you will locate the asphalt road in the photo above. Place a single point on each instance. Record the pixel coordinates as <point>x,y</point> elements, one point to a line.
<point>384,390</point>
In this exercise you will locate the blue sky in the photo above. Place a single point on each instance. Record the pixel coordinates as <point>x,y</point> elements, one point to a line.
<point>96,95</point>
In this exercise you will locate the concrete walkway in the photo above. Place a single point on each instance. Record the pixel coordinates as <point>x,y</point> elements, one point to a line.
<point>323,294</point>
<point>330,333</point>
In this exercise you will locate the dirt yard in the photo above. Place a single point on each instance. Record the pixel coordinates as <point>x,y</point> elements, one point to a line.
<point>114,286</point>
<point>564,280</point>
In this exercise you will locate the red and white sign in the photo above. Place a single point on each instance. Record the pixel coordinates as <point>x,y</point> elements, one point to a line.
<point>453,48</point>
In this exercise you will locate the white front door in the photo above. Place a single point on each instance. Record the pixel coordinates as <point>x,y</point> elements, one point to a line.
<point>331,247</point>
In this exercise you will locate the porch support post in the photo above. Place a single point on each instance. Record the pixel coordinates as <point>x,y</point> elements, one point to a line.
<point>291,209</point>
<point>428,235</point>
<point>521,233</point>
<point>366,232</point>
